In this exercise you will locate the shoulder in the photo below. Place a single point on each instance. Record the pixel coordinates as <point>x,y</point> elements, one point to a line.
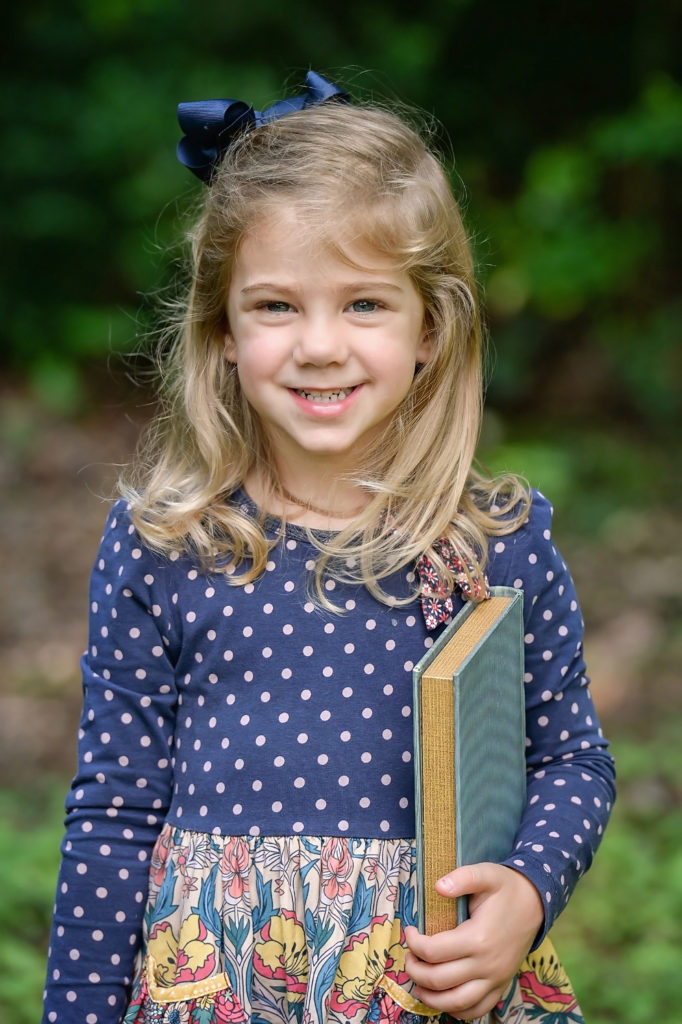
<point>123,559</point>
<point>133,589</point>
<point>527,557</point>
<point>120,540</point>
<point>529,560</point>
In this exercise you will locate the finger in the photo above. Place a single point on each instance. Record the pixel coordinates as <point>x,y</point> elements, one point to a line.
<point>438,976</point>
<point>438,948</point>
<point>473,999</point>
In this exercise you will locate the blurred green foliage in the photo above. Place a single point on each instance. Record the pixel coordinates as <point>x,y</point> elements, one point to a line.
<point>566,128</point>
<point>565,122</point>
<point>622,935</point>
<point>620,939</point>
<point>30,833</point>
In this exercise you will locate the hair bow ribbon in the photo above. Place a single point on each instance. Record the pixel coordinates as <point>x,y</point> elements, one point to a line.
<point>210,126</point>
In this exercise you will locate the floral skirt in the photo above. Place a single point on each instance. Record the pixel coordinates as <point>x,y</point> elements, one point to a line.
<point>298,929</point>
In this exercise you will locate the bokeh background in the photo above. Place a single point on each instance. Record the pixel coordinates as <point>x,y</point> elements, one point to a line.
<point>565,125</point>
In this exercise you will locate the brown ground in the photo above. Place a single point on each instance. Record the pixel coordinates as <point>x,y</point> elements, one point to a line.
<point>55,476</point>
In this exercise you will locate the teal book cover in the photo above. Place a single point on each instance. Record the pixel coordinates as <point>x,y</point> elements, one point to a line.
<point>469,742</point>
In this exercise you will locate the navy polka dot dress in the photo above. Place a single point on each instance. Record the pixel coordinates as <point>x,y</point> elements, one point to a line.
<point>242,818</point>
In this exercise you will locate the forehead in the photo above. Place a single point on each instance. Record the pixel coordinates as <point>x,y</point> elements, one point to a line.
<point>295,234</point>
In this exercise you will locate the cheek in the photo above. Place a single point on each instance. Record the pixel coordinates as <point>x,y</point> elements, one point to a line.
<point>257,369</point>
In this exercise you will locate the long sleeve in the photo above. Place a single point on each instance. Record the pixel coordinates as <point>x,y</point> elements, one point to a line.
<point>570,772</point>
<point>122,790</point>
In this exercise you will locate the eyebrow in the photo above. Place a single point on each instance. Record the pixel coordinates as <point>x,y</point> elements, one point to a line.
<point>350,287</point>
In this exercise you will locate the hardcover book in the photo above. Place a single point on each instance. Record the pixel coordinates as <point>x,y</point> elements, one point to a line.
<point>469,743</point>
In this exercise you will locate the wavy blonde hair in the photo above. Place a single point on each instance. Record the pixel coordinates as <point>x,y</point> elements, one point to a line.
<point>354,174</point>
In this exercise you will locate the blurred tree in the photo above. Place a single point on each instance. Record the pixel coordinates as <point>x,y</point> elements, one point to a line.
<point>566,127</point>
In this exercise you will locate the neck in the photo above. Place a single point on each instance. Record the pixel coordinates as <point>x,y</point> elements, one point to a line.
<point>305,503</point>
<point>327,504</point>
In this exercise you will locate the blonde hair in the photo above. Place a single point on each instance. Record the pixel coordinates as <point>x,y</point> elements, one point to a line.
<point>353,173</point>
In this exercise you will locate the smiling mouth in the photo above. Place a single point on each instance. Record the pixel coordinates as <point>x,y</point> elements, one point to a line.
<point>336,395</point>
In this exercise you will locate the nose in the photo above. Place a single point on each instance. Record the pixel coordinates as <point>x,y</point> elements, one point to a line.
<point>320,341</point>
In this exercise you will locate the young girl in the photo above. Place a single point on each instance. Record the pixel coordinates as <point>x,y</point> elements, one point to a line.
<point>305,521</point>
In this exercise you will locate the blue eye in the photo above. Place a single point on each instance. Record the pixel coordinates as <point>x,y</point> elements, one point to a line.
<point>364,306</point>
<point>277,307</point>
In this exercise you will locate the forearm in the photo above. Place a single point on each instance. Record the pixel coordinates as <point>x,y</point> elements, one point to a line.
<point>568,807</point>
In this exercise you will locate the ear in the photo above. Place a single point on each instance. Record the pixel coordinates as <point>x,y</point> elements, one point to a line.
<point>229,348</point>
<point>425,346</point>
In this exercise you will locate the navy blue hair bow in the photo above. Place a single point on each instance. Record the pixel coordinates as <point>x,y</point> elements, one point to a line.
<point>210,126</point>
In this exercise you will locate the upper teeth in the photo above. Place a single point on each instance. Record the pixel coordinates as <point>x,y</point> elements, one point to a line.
<point>325,396</point>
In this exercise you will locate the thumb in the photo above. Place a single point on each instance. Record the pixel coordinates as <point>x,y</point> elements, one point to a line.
<point>469,879</point>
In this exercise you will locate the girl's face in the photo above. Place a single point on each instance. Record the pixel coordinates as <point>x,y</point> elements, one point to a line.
<point>325,352</point>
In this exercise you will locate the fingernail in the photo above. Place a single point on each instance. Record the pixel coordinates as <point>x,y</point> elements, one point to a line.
<point>446,885</point>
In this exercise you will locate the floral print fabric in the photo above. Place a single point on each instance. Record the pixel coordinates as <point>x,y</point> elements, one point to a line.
<point>437,604</point>
<point>296,929</point>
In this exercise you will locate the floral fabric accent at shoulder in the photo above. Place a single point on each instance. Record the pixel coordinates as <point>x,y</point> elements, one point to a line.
<point>437,604</point>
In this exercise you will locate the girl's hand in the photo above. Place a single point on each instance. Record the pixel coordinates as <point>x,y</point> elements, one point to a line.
<point>465,971</point>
